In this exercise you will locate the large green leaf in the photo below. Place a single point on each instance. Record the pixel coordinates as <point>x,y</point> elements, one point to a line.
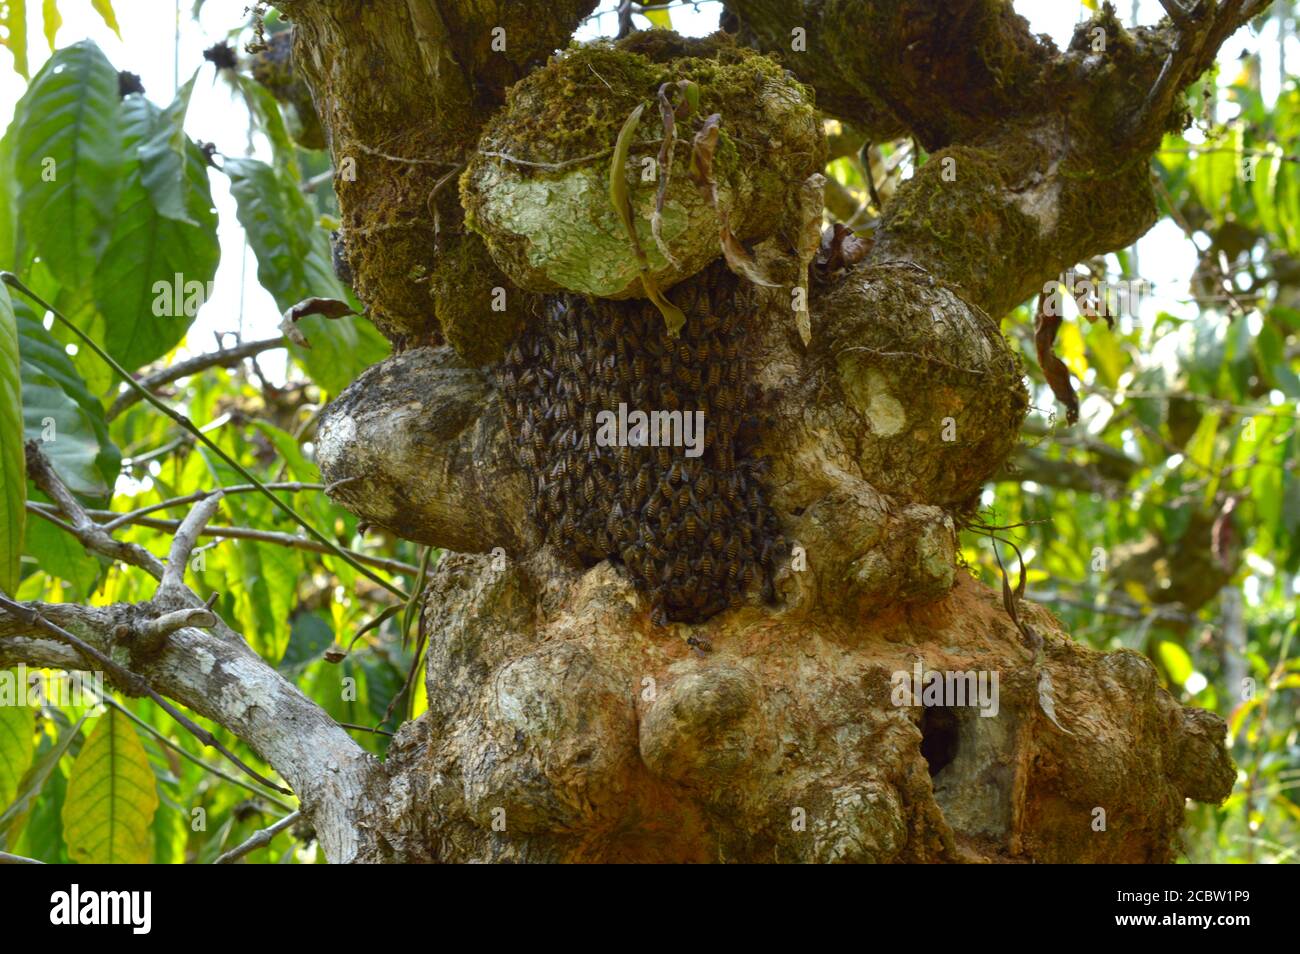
<point>59,411</point>
<point>111,798</point>
<point>8,221</point>
<point>13,465</point>
<point>265,110</point>
<point>293,263</point>
<point>17,726</point>
<point>163,150</point>
<point>68,160</point>
<point>33,784</point>
<point>164,249</point>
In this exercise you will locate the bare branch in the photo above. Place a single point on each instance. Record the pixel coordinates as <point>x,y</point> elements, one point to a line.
<point>152,634</point>
<point>187,535</point>
<point>225,358</point>
<point>91,534</point>
<point>220,678</point>
<point>130,681</point>
<point>238,533</point>
<point>134,515</point>
<point>1176,12</point>
<point>259,839</point>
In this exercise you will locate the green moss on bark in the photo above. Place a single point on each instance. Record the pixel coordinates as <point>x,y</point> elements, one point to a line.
<point>537,189</point>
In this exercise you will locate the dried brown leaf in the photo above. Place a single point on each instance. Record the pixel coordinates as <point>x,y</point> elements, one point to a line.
<point>1054,369</point>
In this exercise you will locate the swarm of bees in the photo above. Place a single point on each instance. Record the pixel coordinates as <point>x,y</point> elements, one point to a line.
<point>695,533</point>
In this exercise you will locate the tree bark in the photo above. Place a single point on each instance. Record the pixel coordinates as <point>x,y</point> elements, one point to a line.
<point>563,724</point>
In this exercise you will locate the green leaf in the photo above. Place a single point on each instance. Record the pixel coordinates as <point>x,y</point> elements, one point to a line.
<point>265,110</point>
<point>1176,661</point>
<point>146,307</point>
<point>52,20</point>
<point>68,161</point>
<point>61,556</point>
<point>17,729</point>
<point>13,817</point>
<point>299,466</point>
<point>42,835</point>
<point>8,221</point>
<point>112,796</point>
<point>44,361</point>
<point>309,636</point>
<point>1214,171</point>
<point>105,9</point>
<point>293,263</point>
<point>659,19</point>
<point>15,24</point>
<point>13,461</point>
<point>164,152</point>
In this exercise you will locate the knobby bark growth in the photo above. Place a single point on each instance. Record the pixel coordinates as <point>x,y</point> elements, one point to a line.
<point>564,723</point>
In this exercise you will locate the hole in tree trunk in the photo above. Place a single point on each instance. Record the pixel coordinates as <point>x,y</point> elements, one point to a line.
<point>938,737</point>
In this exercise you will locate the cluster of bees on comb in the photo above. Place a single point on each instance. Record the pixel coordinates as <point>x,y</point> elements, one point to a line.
<point>696,533</point>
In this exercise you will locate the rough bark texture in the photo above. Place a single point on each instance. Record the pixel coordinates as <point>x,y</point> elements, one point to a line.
<point>565,725</point>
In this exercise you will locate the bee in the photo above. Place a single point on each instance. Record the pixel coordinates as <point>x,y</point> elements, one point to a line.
<point>589,489</point>
<point>733,491</point>
<point>659,615</point>
<point>691,525</point>
<point>680,565</point>
<point>706,565</point>
<point>733,547</point>
<point>653,505</point>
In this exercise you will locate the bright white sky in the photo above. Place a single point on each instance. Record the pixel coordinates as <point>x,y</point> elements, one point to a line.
<point>164,44</point>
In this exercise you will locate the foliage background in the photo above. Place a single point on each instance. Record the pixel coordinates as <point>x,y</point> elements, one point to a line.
<point>1166,521</point>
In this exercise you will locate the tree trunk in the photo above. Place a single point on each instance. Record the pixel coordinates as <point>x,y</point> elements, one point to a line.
<point>587,700</point>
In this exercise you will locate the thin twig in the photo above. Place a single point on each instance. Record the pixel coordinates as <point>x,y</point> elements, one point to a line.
<point>225,358</point>
<point>134,515</point>
<point>80,525</point>
<point>184,540</point>
<point>237,533</point>
<point>259,839</point>
<point>367,728</point>
<point>13,281</point>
